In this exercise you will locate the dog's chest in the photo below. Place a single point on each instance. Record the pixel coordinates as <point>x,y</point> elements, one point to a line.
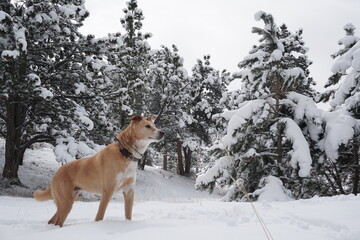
<point>129,172</point>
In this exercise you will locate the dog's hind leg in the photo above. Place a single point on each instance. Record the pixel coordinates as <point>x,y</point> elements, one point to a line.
<point>53,220</point>
<point>63,212</point>
<point>105,198</point>
<point>64,199</point>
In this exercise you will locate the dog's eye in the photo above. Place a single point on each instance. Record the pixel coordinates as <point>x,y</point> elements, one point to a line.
<point>148,126</point>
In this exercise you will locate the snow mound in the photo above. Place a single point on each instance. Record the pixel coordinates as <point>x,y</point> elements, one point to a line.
<point>272,190</point>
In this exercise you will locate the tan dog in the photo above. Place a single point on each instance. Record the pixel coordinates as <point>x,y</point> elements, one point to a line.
<point>111,169</point>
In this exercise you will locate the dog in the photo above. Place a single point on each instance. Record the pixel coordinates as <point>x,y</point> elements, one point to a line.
<point>111,169</point>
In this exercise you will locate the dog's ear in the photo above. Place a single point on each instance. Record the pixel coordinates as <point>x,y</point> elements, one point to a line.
<point>136,118</point>
<point>151,117</point>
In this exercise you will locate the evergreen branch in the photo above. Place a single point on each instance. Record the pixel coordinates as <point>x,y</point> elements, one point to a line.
<point>2,116</point>
<point>268,154</point>
<point>165,105</point>
<point>35,139</point>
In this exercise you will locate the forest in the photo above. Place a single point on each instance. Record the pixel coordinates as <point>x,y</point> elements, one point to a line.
<point>77,92</point>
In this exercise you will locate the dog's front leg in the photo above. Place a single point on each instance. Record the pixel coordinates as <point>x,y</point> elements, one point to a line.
<point>105,198</point>
<point>129,201</point>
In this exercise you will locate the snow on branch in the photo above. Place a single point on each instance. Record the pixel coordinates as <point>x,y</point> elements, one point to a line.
<point>272,190</point>
<point>300,156</point>
<point>238,118</point>
<point>339,130</point>
<point>219,169</point>
<point>350,60</point>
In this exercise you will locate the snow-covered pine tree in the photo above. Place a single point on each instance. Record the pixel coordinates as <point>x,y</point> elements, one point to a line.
<point>341,147</point>
<point>168,99</point>
<point>131,59</point>
<point>208,87</point>
<point>46,81</point>
<point>265,136</point>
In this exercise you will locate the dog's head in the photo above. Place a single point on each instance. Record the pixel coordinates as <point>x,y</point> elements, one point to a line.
<point>145,129</point>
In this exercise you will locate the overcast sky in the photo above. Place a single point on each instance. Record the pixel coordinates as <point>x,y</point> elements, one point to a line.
<point>222,28</point>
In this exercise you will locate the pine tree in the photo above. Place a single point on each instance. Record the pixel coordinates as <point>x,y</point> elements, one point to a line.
<point>46,80</point>
<point>208,87</point>
<point>169,99</point>
<point>131,59</point>
<point>342,166</point>
<point>263,137</point>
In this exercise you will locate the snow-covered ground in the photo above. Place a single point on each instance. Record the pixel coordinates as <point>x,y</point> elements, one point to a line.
<point>168,207</point>
<point>317,219</point>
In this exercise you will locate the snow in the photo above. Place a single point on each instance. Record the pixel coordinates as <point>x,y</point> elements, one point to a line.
<point>4,15</point>
<point>166,206</point>
<point>349,85</point>
<point>306,108</point>
<point>35,79</point>
<point>276,55</point>
<point>258,15</point>
<point>68,149</point>
<point>339,124</point>
<point>260,55</point>
<point>45,93</point>
<point>238,118</point>
<point>272,190</point>
<point>84,119</point>
<point>10,54</point>
<point>80,87</point>
<point>21,38</point>
<point>293,73</point>
<point>68,10</point>
<point>339,130</point>
<point>349,39</point>
<point>219,169</point>
<point>300,155</point>
<point>87,122</point>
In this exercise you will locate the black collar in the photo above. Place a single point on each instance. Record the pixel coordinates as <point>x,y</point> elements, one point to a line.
<point>126,152</point>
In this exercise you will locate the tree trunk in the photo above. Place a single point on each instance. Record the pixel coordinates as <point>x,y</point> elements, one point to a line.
<point>332,185</point>
<point>143,161</point>
<point>356,168</point>
<point>165,161</point>
<point>14,153</point>
<point>337,178</point>
<point>180,157</point>
<point>187,155</point>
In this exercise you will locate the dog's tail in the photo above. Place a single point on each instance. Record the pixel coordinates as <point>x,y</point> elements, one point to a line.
<point>43,195</point>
